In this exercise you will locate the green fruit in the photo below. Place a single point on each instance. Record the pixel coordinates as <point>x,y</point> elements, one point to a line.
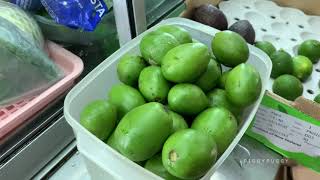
<point>210,77</point>
<point>243,85</point>
<point>125,98</point>
<point>152,85</point>
<point>129,69</point>
<point>230,48</point>
<point>281,63</point>
<point>99,117</point>
<point>223,79</point>
<point>179,33</point>
<point>185,63</point>
<point>155,45</point>
<point>189,154</point>
<point>310,49</point>
<point>142,131</point>
<point>155,165</point>
<point>219,123</point>
<point>218,98</point>
<point>302,67</point>
<point>111,142</point>
<point>266,46</point>
<point>178,122</point>
<point>288,87</point>
<point>317,99</point>
<point>187,99</point>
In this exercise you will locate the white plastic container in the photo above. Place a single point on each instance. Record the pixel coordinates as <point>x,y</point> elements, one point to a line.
<point>101,160</point>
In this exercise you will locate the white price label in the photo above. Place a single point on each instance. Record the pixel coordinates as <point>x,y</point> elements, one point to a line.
<point>287,132</point>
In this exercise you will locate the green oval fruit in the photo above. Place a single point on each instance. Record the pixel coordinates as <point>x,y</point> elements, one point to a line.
<point>152,85</point>
<point>99,117</point>
<point>185,63</point>
<point>288,87</point>
<point>155,45</point>
<point>281,63</point>
<point>155,165</point>
<point>187,99</point>
<point>310,49</point>
<point>223,79</point>
<point>142,131</point>
<point>230,48</point>
<point>266,46</point>
<point>210,77</point>
<point>219,123</point>
<point>129,69</point>
<point>218,98</point>
<point>317,99</point>
<point>302,67</point>
<point>178,122</point>
<point>125,98</point>
<point>243,85</point>
<point>179,33</point>
<point>189,154</point>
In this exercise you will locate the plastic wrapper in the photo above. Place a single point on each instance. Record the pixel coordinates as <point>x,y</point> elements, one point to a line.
<point>25,69</point>
<point>77,14</point>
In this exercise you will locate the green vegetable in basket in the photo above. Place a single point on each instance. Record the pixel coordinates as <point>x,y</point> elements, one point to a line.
<point>152,85</point>
<point>281,63</point>
<point>302,67</point>
<point>220,124</point>
<point>209,79</point>
<point>310,49</point>
<point>129,68</point>
<point>125,98</point>
<point>185,63</point>
<point>243,85</point>
<point>179,33</point>
<point>189,154</point>
<point>99,117</point>
<point>155,165</point>
<point>155,45</point>
<point>288,87</point>
<point>187,99</point>
<point>142,131</point>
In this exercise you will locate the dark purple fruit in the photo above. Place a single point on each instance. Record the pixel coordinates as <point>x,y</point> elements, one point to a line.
<point>210,15</point>
<point>245,29</point>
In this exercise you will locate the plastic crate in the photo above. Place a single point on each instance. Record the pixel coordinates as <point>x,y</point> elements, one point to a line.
<point>13,115</point>
<point>101,160</point>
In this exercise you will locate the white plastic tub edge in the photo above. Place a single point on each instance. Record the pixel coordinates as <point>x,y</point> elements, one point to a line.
<point>103,161</point>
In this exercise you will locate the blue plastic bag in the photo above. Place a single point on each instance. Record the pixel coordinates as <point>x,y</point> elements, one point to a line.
<point>83,14</point>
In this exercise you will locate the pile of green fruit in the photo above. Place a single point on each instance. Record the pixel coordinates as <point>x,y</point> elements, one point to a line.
<point>289,72</point>
<point>175,111</point>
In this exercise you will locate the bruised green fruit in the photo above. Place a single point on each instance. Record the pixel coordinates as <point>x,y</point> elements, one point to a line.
<point>185,63</point>
<point>218,98</point>
<point>222,79</point>
<point>243,85</point>
<point>288,87</point>
<point>129,69</point>
<point>187,99</point>
<point>302,67</point>
<point>189,154</point>
<point>142,131</point>
<point>209,79</point>
<point>266,46</point>
<point>179,33</point>
<point>155,165</point>
<point>178,122</point>
<point>125,98</point>
<point>281,63</point>
<point>219,123</point>
<point>230,48</point>
<point>311,49</point>
<point>99,117</point>
<point>155,45</point>
<point>152,85</point>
